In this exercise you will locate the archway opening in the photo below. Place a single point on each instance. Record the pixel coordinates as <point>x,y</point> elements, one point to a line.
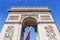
<point>28,22</point>
<point>32,35</point>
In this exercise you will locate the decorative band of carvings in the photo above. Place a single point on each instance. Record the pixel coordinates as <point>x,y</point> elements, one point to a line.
<point>26,10</point>
<point>12,22</point>
<point>29,9</point>
<point>45,22</point>
<point>21,23</point>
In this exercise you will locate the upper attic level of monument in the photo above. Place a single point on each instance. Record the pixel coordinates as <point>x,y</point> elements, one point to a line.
<point>29,9</point>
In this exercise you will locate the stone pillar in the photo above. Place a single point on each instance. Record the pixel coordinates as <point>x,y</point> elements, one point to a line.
<point>19,32</point>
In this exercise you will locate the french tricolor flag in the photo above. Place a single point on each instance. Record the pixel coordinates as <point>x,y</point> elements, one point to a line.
<point>28,35</point>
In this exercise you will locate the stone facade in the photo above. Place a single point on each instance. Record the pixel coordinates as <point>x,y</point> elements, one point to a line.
<point>45,29</point>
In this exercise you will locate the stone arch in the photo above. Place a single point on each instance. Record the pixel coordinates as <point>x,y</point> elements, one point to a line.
<point>29,21</point>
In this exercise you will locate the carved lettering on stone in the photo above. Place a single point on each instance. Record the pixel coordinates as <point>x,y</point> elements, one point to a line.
<point>50,33</point>
<point>9,33</point>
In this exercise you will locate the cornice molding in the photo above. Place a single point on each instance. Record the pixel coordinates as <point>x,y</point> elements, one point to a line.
<point>29,9</point>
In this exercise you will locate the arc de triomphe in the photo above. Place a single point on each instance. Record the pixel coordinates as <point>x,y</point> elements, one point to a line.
<point>38,17</point>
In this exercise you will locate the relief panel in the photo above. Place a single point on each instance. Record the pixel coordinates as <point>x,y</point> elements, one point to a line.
<point>8,35</point>
<point>45,18</point>
<point>50,33</point>
<point>13,17</point>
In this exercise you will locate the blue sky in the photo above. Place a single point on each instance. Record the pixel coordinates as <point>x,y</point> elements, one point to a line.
<point>52,4</point>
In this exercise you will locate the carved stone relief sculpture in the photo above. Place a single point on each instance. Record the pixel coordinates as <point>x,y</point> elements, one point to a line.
<point>50,33</point>
<point>8,33</point>
<point>45,17</point>
<point>13,18</point>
